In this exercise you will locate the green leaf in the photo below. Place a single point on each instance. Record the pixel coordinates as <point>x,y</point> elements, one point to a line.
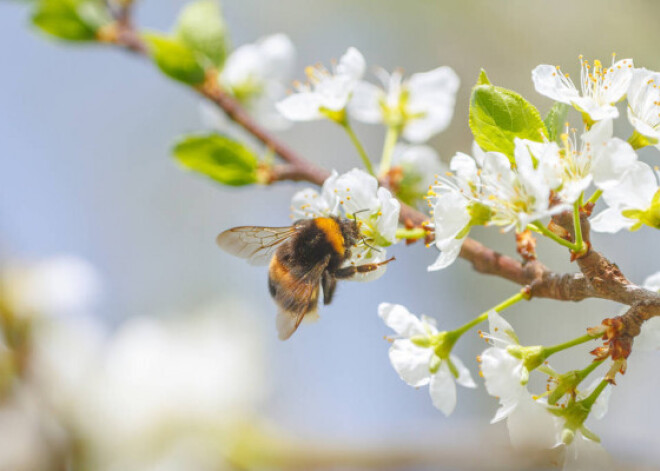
<point>72,20</point>
<point>218,157</point>
<point>201,28</point>
<point>498,116</point>
<point>175,59</point>
<point>483,78</point>
<point>555,119</point>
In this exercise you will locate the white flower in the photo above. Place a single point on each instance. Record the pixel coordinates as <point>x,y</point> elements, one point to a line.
<point>649,338</point>
<point>531,426</point>
<point>58,286</point>
<point>644,103</point>
<point>518,197</point>
<point>421,106</point>
<point>419,358</point>
<point>582,449</point>
<point>598,158</point>
<point>601,87</point>
<point>255,75</point>
<point>584,454</point>
<point>414,170</point>
<point>327,94</point>
<point>355,194</point>
<point>633,202</point>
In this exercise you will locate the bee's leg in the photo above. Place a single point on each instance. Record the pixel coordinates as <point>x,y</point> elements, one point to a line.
<point>348,272</point>
<point>328,283</point>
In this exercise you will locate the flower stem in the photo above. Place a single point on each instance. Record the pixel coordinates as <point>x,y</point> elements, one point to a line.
<point>548,233</point>
<point>589,369</point>
<point>589,400</point>
<point>500,307</point>
<point>571,343</point>
<point>415,233</point>
<point>358,145</point>
<point>391,137</point>
<point>595,196</point>
<point>577,226</point>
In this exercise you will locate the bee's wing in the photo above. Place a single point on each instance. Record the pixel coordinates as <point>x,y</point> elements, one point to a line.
<point>254,243</point>
<point>306,289</point>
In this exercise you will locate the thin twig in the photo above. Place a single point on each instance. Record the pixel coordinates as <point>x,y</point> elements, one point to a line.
<point>590,283</point>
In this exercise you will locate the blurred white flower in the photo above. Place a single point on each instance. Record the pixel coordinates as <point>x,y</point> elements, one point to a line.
<point>421,356</point>
<point>256,75</point>
<point>414,171</point>
<point>327,94</point>
<point>355,194</point>
<point>59,286</point>
<point>649,338</point>
<point>582,449</point>
<point>601,87</point>
<point>420,107</point>
<point>584,454</point>
<point>644,103</point>
<point>153,386</point>
<point>533,426</point>
<point>634,202</point>
<point>31,439</point>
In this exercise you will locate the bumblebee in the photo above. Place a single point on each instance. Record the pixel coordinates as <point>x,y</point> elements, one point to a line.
<point>304,258</point>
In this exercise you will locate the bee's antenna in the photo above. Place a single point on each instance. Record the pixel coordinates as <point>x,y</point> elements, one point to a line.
<point>355,219</point>
<point>364,241</point>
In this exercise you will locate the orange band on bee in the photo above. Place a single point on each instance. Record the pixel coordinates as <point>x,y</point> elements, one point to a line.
<point>332,232</point>
<point>281,274</point>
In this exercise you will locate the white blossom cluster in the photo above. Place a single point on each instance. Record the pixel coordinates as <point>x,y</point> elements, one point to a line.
<point>545,178</point>
<point>420,106</point>
<point>539,180</point>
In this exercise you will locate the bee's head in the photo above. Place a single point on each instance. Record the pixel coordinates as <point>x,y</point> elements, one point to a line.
<point>350,229</point>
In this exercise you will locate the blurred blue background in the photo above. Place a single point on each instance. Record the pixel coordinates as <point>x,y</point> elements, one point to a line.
<point>85,169</point>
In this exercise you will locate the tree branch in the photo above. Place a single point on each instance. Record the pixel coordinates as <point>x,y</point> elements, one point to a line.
<point>599,278</point>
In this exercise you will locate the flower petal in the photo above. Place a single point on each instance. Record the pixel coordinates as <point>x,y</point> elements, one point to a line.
<point>464,376</point>
<point>550,82</point>
<point>653,282</point>
<point>365,103</point>
<point>302,106</point>
<point>531,426</point>
<point>502,374</point>
<point>443,390</point>
<point>649,338</point>
<point>352,64</point>
<point>583,454</point>
<point>411,362</point>
<point>500,331</point>
<point>611,220</point>
<point>611,162</point>
<point>448,254</point>
<point>400,320</point>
